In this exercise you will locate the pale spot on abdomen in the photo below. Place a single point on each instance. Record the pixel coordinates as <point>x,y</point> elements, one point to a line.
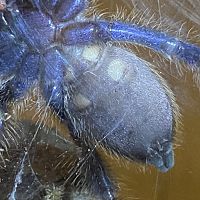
<point>91,53</point>
<point>81,101</point>
<point>116,69</point>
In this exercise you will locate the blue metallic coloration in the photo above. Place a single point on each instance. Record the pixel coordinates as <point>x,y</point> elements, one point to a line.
<point>131,112</point>
<point>62,11</point>
<point>92,32</point>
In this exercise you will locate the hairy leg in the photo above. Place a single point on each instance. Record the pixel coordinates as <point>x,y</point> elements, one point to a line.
<point>104,31</point>
<point>18,69</point>
<point>96,176</point>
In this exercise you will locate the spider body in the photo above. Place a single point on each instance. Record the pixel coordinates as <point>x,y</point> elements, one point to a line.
<point>106,94</point>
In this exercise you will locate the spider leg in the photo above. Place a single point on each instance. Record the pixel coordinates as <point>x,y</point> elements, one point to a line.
<point>104,31</point>
<point>99,183</point>
<point>52,87</point>
<point>52,78</point>
<point>61,11</point>
<point>18,69</point>
<point>26,75</point>
<point>10,54</point>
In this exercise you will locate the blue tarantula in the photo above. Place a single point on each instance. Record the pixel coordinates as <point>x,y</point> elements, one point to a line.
<point>106,95</point>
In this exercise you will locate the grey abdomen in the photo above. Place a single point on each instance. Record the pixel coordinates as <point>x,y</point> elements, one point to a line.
<point>119,100</point>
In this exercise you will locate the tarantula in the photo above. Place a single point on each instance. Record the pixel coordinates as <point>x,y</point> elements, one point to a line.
<point>106,95</point>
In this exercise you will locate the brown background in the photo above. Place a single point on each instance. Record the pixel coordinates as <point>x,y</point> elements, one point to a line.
<point>183,181</point>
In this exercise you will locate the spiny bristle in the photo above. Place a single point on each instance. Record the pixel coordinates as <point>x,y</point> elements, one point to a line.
<point>82,195</point>
<point>54,192</point>
<point>141,18</point>
<point>94,11</point>
<point>10,137</point>
<point>132,14</point>
<point>33,107</point>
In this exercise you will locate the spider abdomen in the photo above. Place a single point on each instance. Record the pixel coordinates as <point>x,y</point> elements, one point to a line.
<point>120,103</point>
